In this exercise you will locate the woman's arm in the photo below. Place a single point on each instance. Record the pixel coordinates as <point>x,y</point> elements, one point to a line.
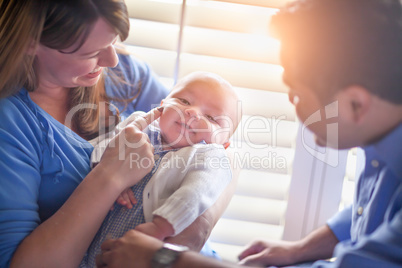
<point>136,249</point>
<point>62,240</point>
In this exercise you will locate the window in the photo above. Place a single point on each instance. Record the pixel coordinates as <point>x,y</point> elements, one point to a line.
<point>279,179</point>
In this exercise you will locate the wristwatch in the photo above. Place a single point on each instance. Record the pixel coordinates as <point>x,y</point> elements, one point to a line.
<point>167,255</point>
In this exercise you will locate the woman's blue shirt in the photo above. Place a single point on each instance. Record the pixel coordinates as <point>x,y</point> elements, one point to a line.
<point>42,161</point>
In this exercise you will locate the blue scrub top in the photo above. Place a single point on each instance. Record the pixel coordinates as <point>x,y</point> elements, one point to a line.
<point>370,231</point>
<point>42,161</point>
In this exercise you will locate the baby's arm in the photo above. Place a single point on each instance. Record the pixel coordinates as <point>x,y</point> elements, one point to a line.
<point>197,186</point>
<point>159,228</point>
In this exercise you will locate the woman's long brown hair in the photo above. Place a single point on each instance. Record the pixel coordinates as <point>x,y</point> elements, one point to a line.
<point>21,24</point>
<point>57,25</point>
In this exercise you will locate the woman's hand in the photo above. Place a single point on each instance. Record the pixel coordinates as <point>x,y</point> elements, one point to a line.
<point>134,249</point>
<point>129,155</point>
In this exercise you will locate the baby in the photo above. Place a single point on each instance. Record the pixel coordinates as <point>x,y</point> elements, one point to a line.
<point>191,167</point>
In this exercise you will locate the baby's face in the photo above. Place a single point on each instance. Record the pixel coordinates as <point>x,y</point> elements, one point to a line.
<point>197,110</point>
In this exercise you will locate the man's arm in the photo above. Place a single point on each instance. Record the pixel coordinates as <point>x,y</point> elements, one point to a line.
<point>382,248</point>
<point>317,245</point>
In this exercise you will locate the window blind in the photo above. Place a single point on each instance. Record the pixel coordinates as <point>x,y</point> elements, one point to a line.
<point>230,38</point>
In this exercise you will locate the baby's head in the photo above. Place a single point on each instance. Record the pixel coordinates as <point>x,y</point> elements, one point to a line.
<point>201,107</point>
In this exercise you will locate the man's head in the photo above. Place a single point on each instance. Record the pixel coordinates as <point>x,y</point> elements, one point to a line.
<point>343,54</point>
<point>202,106</point>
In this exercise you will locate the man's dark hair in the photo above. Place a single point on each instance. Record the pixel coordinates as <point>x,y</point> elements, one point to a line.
<point>331,44</point>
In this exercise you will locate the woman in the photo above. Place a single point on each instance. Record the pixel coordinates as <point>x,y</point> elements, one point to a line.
<point>59,72</point>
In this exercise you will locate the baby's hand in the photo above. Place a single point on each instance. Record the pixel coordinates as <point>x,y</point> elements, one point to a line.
<point>126,198</point>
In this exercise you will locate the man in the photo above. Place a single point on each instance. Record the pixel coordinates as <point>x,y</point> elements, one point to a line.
<point>345,55</point>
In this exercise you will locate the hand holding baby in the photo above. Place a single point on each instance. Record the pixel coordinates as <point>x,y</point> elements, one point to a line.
<point>130,140</point>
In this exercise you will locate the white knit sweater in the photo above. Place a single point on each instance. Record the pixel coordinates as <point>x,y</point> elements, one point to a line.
<point>187,182</point>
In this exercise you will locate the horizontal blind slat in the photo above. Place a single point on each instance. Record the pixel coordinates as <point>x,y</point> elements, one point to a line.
<point>266,103</point>
<point>246,208</point>
<point>261,3</point>
<point>240,233</point>
<point>242,46</point>
<point>163,11</point>
<point>228,16</point>
<point>152,34</point>
<point>275,160</point>
<point>263,184</point>
<point>239,73</point>
<point>161,61</point>
<point>260,130</point>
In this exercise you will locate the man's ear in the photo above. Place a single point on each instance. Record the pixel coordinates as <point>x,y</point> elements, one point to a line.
<point>226,145</point>
<point>358,100</point>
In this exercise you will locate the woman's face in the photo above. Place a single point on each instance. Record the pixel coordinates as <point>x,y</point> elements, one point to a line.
<point>56,69</point>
